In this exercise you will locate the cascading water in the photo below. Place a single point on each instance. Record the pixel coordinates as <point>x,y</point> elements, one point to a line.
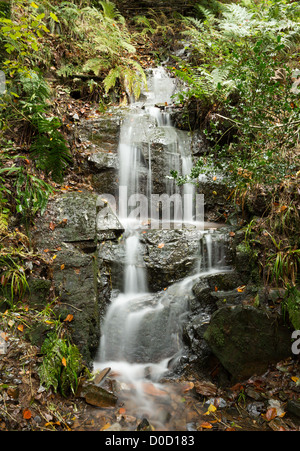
<point>141,332</point>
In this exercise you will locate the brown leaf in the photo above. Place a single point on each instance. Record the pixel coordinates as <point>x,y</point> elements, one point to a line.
<point>205,388</point>
<point>52,226</point>
<point>188,386</point>
<point>271,414</point>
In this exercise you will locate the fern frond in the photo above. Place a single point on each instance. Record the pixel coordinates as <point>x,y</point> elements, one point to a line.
<point>111,79</point>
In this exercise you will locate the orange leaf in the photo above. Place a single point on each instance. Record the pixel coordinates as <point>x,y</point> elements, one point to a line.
<point>122,410</point>
<point>161,245</point>
<point>283,208</point>
<point>20,327</point>
<point>62,267</point>
<point>241,289</point>
<point>52,226</point>
<point>216,288</point>
<point>26,414</point>
<point>206,425</point>
<point>64,362</point>
<point>69,318</point>
<point>188,386</point>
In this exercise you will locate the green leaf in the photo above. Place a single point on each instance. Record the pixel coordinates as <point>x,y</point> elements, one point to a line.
<point>54,17</point>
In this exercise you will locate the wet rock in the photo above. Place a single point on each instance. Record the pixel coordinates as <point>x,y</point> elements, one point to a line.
<point>246,339</point>
<point>69,218</point>
<point>293,407</point>
<point>170,255</point>
<point>144,425</point>
<point>108,225</point>
<point>68,232</point>
<point>97,396</point>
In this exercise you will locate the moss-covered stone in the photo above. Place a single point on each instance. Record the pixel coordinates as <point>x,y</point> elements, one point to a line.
<point>246,339</point>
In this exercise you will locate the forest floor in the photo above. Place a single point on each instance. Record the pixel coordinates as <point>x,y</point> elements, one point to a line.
<point>261,403</point>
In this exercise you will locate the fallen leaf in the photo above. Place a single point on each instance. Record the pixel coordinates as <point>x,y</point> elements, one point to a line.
<point>283,208</point>
<point>210,409</point>
<point>62,267</point>
<point>20,327</point>
<point>241,289</point>
<point>122,411</point>
<point>206,425</point>
<point>271,414</point>
<point>188,386</point>
<point>69,318</point>
<point>26,414</point>
<point>52,226</point>
<point>106,426</point>
<point>64,362</point>
<point>206,388</point>
<point>161,245</point>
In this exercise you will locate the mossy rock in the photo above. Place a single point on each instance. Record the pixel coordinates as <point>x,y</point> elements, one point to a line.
<point>246,339</point>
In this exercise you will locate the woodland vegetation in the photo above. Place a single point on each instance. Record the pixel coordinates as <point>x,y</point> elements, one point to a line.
<point>242,79</point>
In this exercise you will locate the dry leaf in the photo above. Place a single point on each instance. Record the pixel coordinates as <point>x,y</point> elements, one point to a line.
<point>271,414</point>
<point>188,386</point>
<point>64,362</point>
<point>241,289</point>
<point>20,327</point>
<point>62,267</point>
<point>206,425</point>
<point>211,409</point>
<point>26,414</point>
<point>161,245</point>
<point>52,226</point>
<point>69,318</point>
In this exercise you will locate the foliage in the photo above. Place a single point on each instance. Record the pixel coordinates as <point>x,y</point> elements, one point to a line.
<point>101,44</point>
<point>61,364</point>
<point>13,279</point>
<point>242,77</point>
<point>27,193</point>
<point>243,74</point>
<point>291,305</point>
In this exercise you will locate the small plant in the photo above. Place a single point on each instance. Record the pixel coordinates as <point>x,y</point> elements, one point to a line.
<point>13,281</point>
<point>61,365</point>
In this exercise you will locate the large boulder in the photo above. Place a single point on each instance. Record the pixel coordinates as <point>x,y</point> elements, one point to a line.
<point>247,340</point>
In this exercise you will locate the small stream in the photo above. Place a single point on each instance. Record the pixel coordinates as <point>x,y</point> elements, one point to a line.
<point>142,330</point>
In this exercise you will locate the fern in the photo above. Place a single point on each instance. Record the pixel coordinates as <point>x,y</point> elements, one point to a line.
<point>61,365</point>
<point>49,149</point>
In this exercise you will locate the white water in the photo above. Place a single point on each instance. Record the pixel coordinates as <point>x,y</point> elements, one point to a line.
<point>141,333</point>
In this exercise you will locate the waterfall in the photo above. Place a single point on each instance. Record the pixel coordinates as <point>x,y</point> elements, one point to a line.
<point>142,331</point>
